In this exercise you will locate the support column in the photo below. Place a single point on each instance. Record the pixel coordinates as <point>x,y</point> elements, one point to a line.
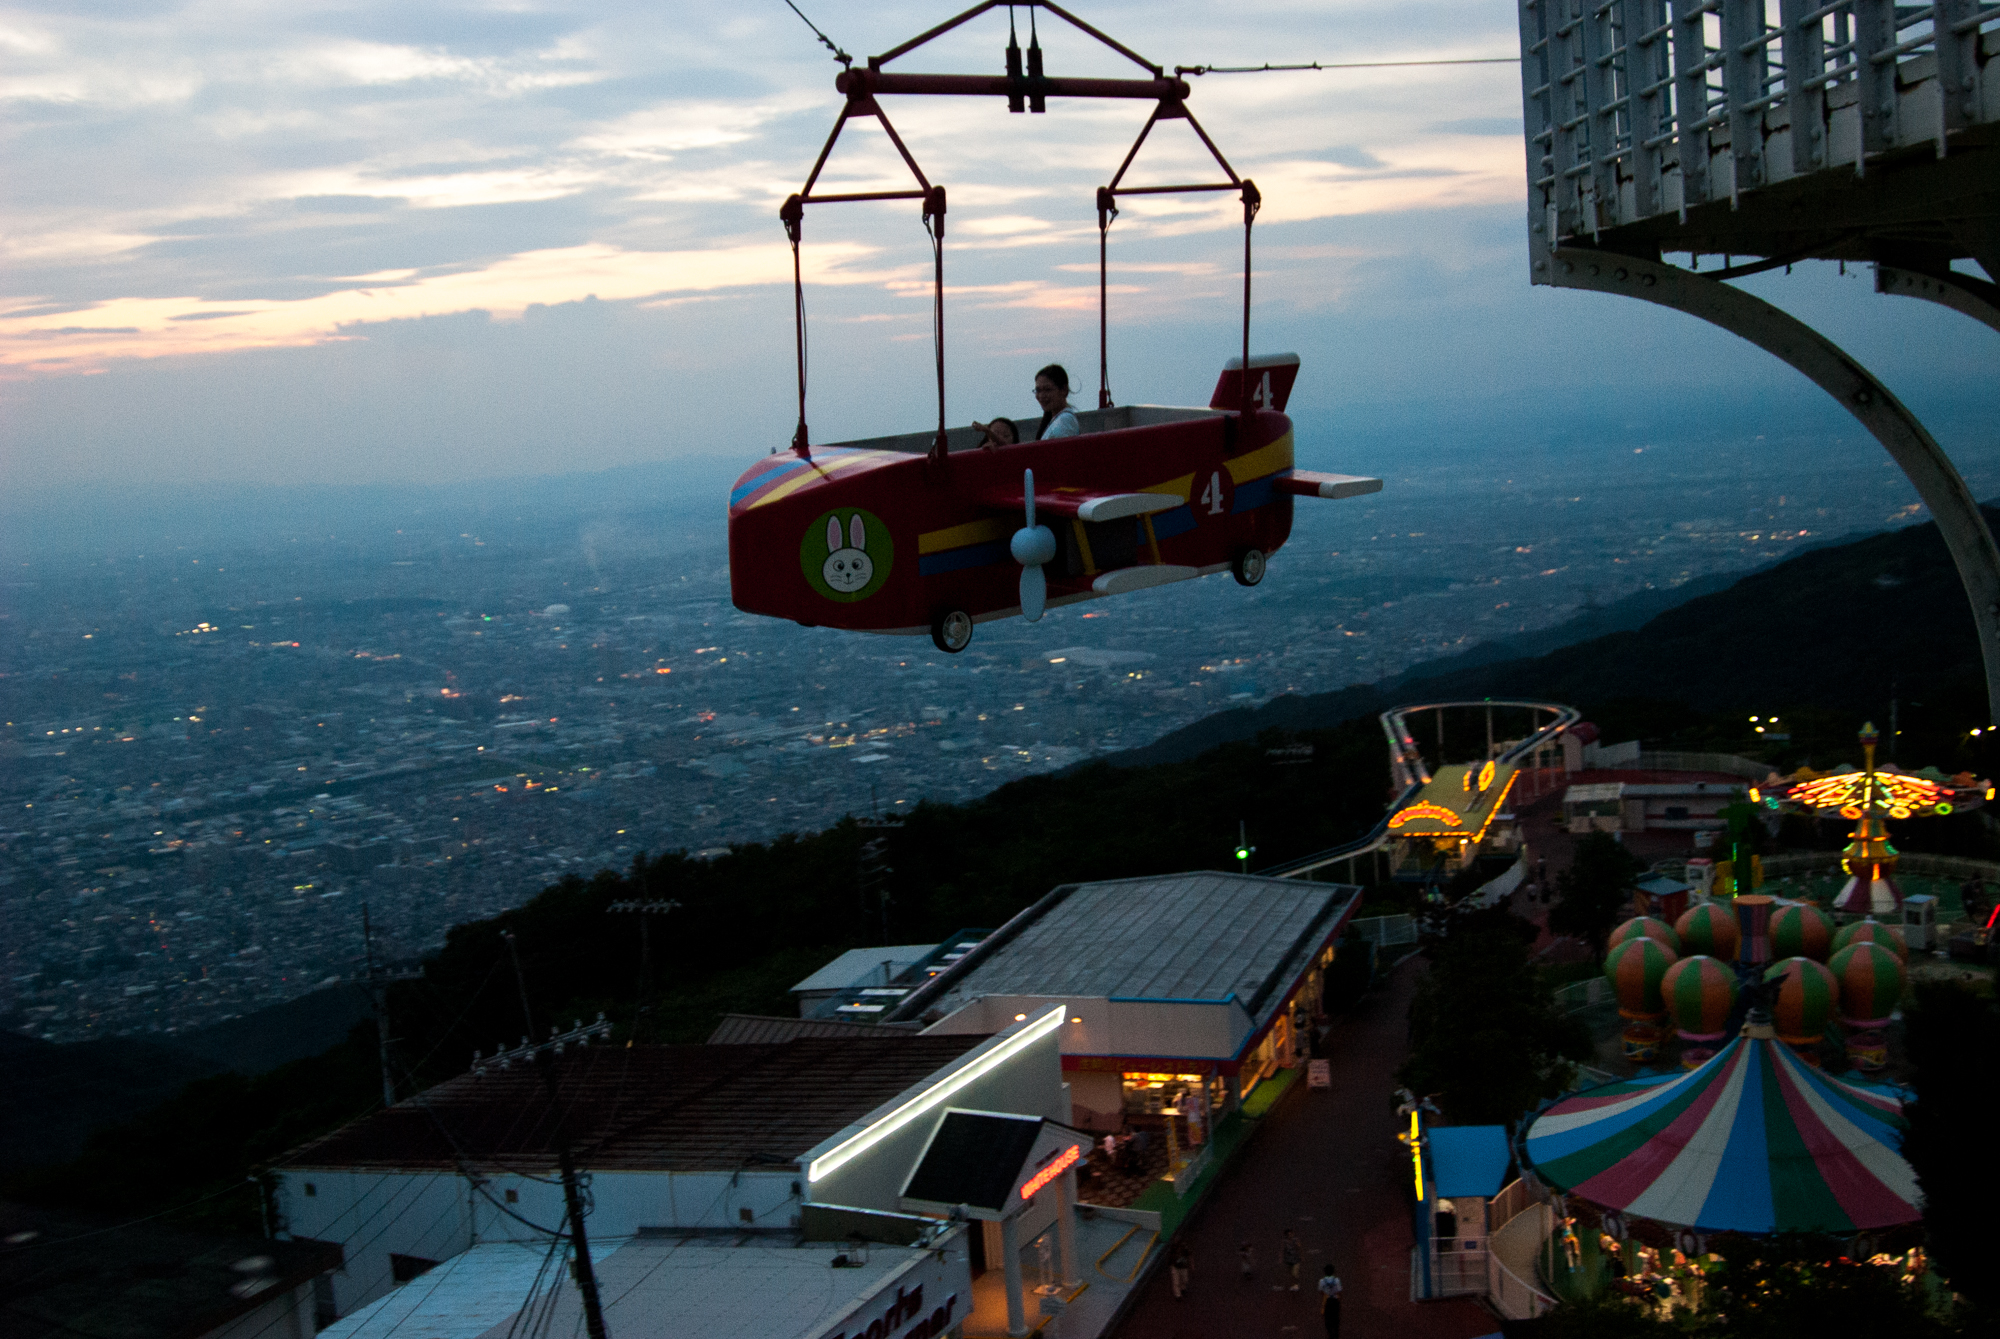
<point>1937,481</point>
<point>1017,1306</point>
<point>1066,1227</point>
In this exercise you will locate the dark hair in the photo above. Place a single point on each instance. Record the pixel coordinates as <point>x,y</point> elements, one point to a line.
<point>1013,429</point>
<point>1054,372</point>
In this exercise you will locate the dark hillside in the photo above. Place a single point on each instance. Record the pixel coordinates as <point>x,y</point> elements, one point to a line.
<point>1822,640</point>
<point>1842,629</point>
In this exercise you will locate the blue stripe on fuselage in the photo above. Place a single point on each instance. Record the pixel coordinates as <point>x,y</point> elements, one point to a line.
<point>1252,495</point>
<point>1167,524</point>
<point>957,560</point>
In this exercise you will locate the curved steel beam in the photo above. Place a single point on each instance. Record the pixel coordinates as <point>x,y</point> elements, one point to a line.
<point>1960,292</point>
<point>1924,462</point>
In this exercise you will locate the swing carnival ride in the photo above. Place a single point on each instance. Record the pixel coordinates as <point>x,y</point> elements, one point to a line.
<point>936,532</point>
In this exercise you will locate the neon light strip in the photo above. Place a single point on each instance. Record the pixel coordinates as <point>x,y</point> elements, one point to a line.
<point>1417,1154</point>
<point>1070,1157</point>
<point>841,1154</point>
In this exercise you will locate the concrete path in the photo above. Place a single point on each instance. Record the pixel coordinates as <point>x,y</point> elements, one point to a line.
<point>1327,1165</point>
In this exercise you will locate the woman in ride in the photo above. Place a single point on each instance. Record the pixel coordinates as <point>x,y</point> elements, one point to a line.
<point>1052,394</point>
<point>1000,432</point>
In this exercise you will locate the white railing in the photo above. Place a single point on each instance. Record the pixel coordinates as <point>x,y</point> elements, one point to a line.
<point>1386,931</point>
<point>1580,995</point>
<point>1497,890</point>
<point>1458,1266</point>
<point>1521,1222</point>
<point>1641,107</point>
<point>1669,761</point>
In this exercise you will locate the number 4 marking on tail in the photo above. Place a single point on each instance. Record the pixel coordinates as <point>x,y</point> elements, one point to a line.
<point>1262,395</point>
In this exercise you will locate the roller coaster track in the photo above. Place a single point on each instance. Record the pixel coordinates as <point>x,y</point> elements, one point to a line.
<point>1407,766</point>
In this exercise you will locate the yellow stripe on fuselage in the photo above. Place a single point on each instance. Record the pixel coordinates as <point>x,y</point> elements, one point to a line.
<point>958,536</point>
<point>1264,460</point>
<point>1180,488</point>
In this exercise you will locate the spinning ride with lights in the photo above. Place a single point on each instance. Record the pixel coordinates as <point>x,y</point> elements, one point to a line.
<point>1869,797</point>
<point>936,531</point>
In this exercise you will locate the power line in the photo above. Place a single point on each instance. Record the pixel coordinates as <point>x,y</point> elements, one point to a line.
<point>1343,65</point>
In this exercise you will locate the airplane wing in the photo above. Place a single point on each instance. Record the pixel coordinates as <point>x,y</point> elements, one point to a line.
<point>1308,483</point>
<point>1083,506</point>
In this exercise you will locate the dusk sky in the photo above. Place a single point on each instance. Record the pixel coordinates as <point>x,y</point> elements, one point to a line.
<point>370,242</point>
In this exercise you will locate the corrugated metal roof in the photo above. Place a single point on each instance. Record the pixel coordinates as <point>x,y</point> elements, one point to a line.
<point>863,966</point>
<point>679,1108</point>
<point>1198,936</point>
<point>766,1030</point>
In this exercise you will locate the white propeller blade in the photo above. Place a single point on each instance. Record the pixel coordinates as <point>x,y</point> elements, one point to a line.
<point>1032,546</point>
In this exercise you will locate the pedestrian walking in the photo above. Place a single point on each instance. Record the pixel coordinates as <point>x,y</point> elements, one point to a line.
<point>1288,1255</point>
<point>1177,1269</point>
<point>1246,1256</point>
<point>1329,1302</point>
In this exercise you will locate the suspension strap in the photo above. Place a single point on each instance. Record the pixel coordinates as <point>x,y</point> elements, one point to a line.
<point>934,224</point>
<point>1252,202</point>
<point>1107,210</point>
<point>793,214</point>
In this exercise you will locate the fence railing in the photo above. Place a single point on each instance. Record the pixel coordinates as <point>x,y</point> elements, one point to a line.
<point>1386,931</point>
<point>1458,1266</point>
<point>1927,866</point>
<point>1521,1221</point>
<point>1638,107</point>
<point>1668,760</point>
<point>1580,995</point>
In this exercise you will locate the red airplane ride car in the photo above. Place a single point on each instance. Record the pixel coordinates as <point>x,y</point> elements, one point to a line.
<point>934,532</point>
<point>878,536</point>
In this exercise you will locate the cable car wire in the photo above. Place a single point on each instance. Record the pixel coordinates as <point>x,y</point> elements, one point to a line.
<point>825,41</point>
<point>1343,65</point>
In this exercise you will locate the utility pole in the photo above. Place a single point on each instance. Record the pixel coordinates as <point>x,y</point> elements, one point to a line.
<point>873,869</point>
<point>645,909</point>
<point>545,1060</point>
<point>377,981</point>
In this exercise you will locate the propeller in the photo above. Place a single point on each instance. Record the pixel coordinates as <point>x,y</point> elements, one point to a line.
<point>1032,546</point>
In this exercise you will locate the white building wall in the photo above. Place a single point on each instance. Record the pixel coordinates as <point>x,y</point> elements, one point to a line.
<point>374,1215</point>
<point>435,1215</point>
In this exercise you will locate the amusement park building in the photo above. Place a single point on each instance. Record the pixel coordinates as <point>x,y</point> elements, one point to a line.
<point>759,1159</point>
<point>1180,988</point>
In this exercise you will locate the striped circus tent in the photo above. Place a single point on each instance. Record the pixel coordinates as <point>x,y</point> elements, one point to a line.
<point>1754,1141</point>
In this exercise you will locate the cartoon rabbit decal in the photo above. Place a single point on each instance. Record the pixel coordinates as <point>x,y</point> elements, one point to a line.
<point>847,554</point>
<point>848,567</point>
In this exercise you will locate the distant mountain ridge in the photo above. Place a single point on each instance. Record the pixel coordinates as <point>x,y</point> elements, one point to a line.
<point>1847,626</point>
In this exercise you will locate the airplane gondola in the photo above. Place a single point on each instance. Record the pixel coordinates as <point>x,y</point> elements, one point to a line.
<point>938,531</point>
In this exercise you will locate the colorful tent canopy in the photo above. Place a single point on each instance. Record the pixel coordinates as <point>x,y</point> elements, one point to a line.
<point>1753,1141</point>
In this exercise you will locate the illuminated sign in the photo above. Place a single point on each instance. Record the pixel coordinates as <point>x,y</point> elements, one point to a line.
<point>1486,774</point>
<point>1417,1154</point>
<point>1067,1159</point>
<point>1436,813</point>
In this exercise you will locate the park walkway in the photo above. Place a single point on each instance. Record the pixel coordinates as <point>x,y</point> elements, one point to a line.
<point>1326,1164</point>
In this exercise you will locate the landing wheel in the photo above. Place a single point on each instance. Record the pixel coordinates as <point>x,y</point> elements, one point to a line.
<point>952,632</point>
<point>1248,567</point>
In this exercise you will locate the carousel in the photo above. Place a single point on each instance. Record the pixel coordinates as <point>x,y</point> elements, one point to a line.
<point>1755,1140</point>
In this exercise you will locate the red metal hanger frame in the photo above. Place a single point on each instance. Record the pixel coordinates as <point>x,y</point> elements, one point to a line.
<point>1027,90</point>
